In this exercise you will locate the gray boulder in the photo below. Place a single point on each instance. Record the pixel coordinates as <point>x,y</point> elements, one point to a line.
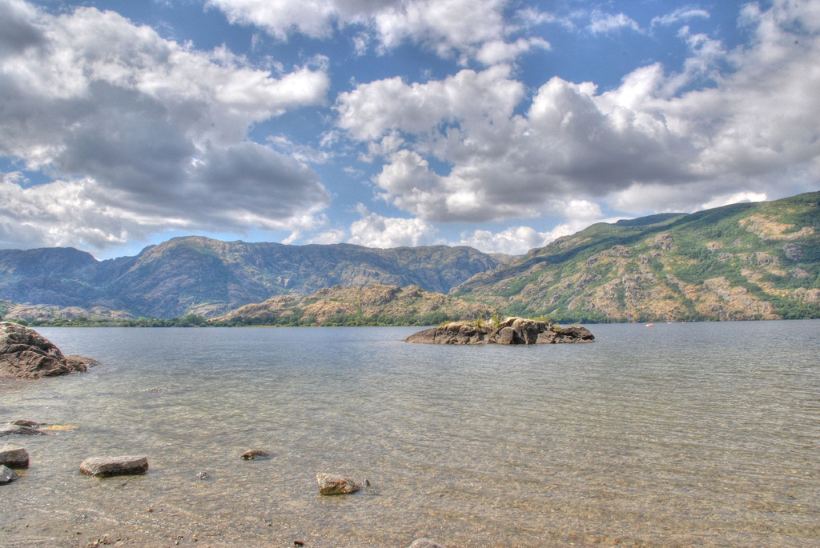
<point>332,484</point>
<point>114,466</point>
<point>7,475</point>
<point>26,354</point>
<point>13,456</point>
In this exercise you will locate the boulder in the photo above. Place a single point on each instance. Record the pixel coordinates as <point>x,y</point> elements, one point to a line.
<point>7,475</point>
<point>331,484</point>
<point>13,456</point>
<point>424,543</point>
<point>26,354</point>
<point>509,331</point>
<point>114,466</point>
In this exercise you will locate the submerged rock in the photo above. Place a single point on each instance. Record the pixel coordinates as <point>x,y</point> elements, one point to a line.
<point>424,543</point>
<point>13,456</point>
<point>510,331</point>
<point>114,466</point>
<point>26,354</point>
<point>253,454</point>
<point>9,429</point>
<point>7,475</point>
<point>331,484</point>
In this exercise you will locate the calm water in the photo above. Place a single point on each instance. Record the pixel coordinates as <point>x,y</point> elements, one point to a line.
<point>679,434</point>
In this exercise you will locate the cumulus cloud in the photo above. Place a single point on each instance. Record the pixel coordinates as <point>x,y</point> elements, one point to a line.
<point>141,133</point>
<point>374,230</point>
<point>467,149</point>
<point>459,29</point>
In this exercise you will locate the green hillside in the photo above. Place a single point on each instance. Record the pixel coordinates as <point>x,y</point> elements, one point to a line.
<point>743,261</point>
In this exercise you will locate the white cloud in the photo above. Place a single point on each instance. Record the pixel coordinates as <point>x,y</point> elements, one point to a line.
<point>678,15</point>
<point>332,236</point>
<point>374,230</point>
<point>498,51</point>
<point>735,198</point>
<point>607,23</point>
<point>70,85</point>
<point>451,28</point>
<point>517,240</point>
<point>468,150</point>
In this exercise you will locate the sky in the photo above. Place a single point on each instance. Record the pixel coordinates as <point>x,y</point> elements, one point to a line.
<point>499,124</point>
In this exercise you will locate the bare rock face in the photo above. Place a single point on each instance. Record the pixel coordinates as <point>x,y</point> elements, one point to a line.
<point>26,354</point>
<point>331,484</point>
<point>510,331</point>
<point>7,475</point>
<point>13,456</point>
<point>114,466</point>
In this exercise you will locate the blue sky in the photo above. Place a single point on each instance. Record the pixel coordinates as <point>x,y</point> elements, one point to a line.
<point>499,124</point>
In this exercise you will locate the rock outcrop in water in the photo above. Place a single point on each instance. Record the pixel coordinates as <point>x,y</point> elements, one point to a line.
<point>26,354</point>
<point>510,331</point>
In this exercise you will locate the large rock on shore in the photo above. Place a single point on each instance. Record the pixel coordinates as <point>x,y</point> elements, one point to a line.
<point>114,466</point>
<point>26,354</point>
<point>510,331</point>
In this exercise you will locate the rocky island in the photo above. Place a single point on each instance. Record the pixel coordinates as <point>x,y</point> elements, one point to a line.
<point>25,354</point>
<point>509,331</point>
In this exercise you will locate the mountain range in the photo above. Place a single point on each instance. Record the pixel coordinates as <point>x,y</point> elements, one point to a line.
<point>194,275</point>
<point>742,261</point>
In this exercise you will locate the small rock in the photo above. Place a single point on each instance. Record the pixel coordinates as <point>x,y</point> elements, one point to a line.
<point>114,466</point>
<point>25,422</point>
<point>10,429</point>
<point>13,456</point>
<point>331,484</point>
<point>425,543</point>
<point>254,454</point>
<point>7,475</point>
<point>202,475</point>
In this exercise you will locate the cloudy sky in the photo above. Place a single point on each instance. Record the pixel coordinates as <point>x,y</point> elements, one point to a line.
<point>497,124</point>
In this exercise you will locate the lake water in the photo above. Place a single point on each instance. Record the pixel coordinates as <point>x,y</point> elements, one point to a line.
<point>681,434</point>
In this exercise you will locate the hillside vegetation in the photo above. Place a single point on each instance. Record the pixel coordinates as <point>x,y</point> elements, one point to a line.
<point>739,262</point>
<point>372,305</point>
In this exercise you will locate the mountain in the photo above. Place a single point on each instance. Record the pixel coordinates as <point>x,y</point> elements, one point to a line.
<point>208,277</point>
<point>743,261</point>
<point>371,305</point>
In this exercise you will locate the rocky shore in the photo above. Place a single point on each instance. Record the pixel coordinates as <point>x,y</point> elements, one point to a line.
<point>25,354</point>
<point>510,331</point>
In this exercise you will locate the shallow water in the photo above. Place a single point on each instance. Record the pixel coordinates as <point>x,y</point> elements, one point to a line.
<point>681,434</point>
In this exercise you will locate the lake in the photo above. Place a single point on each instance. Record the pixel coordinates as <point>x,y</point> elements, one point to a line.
<point>678,434</point>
